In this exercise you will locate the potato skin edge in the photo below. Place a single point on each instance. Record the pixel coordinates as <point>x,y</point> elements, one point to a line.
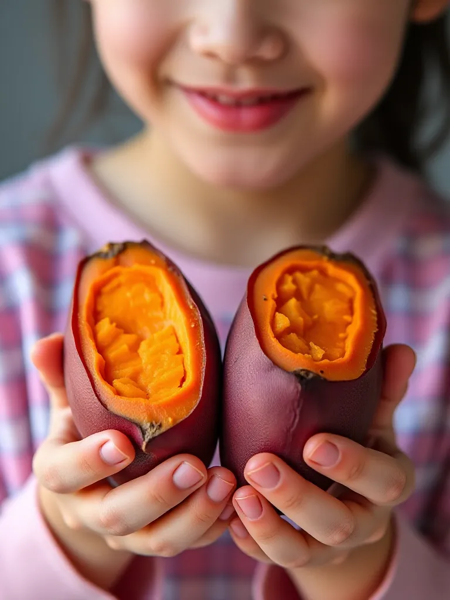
<point>197,434</point>
<point>267,409</point>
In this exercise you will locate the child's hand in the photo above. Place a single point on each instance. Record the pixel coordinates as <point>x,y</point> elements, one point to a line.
<point>377,478</point>
<point>174,507</point>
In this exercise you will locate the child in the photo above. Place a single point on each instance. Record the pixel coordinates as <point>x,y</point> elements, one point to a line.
<point>267,123</point>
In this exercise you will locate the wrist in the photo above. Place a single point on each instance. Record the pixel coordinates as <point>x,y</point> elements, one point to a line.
<point>357,577</point>
<point>86,550</point>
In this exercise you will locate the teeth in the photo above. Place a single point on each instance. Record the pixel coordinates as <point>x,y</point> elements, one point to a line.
<point>229,101</point>
<point>252,102</point>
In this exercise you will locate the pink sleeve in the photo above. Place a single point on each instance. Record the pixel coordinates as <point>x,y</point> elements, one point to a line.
<point>416,572</point>
<point>32,565</point>
<point>273,583</point>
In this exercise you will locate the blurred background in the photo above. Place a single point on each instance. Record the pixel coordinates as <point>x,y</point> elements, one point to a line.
<point>31,91</point>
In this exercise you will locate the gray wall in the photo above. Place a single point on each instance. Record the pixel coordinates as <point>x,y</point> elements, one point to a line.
<point>30,95</point>
<point>30,91</point>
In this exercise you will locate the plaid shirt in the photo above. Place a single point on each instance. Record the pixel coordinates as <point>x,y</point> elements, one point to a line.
<point>52,215</point>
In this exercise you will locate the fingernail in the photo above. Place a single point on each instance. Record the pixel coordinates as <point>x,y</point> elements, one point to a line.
<point>226,513</point>
<point>111,454</point>
<point>266,476</point>
<point>238,529</point>
<point>251,506</point>
<point>325,455</point>
<point>186,476</point>
<point>218,489</point>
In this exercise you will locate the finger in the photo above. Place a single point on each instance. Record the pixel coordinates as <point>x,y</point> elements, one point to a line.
<point>399,363</point>
<point>320,554</point>
<point>62,430</point>
<point>134,504</point>
<point>64,468</point>
<point>276,538</point>
<point>217,529</point>
<point>330,521</point>
<point>321,515</point>
<point>383,479</point>
<point>246,543</point>
<point>183,526</point>
<point>214,532</point>
<point>47,357</point>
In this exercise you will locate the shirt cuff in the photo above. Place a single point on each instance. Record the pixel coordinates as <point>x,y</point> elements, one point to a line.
<point>32,565</point>
<point>271,582</point>
<point>416,570</point>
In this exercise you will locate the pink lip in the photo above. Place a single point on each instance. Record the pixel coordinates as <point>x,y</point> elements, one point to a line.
<point>242,119</point>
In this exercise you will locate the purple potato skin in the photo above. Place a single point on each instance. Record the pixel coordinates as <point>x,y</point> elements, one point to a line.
<point>267,409</point>
<point>197,434</point>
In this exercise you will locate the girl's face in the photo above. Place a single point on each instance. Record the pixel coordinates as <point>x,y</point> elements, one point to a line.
<point>248,92</point>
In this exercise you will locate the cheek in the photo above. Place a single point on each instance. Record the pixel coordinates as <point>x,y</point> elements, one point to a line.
<point>357,55</point>
<point>130,33</point>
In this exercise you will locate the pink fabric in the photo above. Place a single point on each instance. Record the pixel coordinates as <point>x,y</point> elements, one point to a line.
<point>32,565</point>
<point>53,215</point>
<point>416,571</point>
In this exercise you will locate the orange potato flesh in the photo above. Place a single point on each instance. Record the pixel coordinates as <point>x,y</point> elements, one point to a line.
<point>315,313</point>
<point>135,337</point>
<point>140,335</point>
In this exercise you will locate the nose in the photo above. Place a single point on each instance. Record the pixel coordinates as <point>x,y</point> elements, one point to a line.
<point>235,32</point>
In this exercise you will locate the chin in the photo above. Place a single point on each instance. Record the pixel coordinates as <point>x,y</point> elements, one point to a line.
<point>241,175</point>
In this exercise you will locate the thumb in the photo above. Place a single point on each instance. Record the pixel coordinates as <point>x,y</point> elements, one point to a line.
<point>47,357</point>
<point>399,363</point>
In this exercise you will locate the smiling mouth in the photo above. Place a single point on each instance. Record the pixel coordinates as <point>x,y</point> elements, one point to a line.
<point>249,100</point>
<point>242,111</point>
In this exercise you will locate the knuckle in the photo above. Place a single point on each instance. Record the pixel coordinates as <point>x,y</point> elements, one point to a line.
<point>341,533</point>
<point>356,471</point>
<point>265,536</point>
<point>156,498</point>
<point>298,563</point>
<point>163,548</point>
<point>396,487</point>
<point>112,521</point>
<point>293,500</point>
<point>202,517</point>
<point>84,467</point>
<point>52,480</point>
